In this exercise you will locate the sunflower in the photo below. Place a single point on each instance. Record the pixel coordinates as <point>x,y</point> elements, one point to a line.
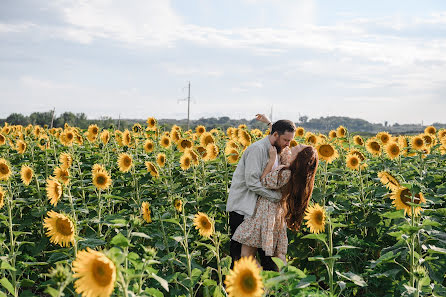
<point>125,162</point>
<point>26,174</point>
<point>230,132</point>
<point>21,147</point>
<point>204,224</point>
<point>358,154</point>
<point>97,168</point>
<point>67,137</point>
<point>62,175</point>
<point>151,123</point>
<point>185,161</point>
<point>2,197</point>
<point>175,136</point>
<point>178,204</point>
<point>126,137</point>
<point>5,170</point>
<point>417,143</point>
<point>105,136</point>
<point>101,178</point>
<point>293,143</point>
<point>233,156</point>
<point>300,131</point>
<point>60,229</point>
<point>2,139</point>
<point>401,196</point>
<point>244,280</point>
<point>95,273</point>
<point>353,162</point>
<point>184,144</point>
<point>118,137</point>
<point>315,216</point>
<point>392,150</point>
<point>165,141</point>
<point>244,138</point>
<point>145,209</point>
<point>327,152</point>
<point>441,134</point>
<point>402,142</point>
<point>136,128</point>
<point>151,168</point>
<point>430,130</point>
<point>206,138</point>
<point>53,190</point>
<point>429,140</point>
<point>193,155</point>
<point>388,180</point>
<point>256,132</point>
<point>242,126</point>
<point>161,159</point>
<point>341,131</point>
<point>148,146</point>
<point>384,137</point>
<point>211,152</point>
<point>443,149</point>
<point>230,145</point>
<point>358,140</point>
<point>373,146</point>
<point>332,134</point>
<point>200,129</point>
<point>310,138</point>
<point>44,142</point>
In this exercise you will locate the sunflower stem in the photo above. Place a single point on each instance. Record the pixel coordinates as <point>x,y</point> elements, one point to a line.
<point>330,254</point>
<point>123,284</point>
<point>186,250</point>
<point>10,203</point>
<point>99,213</point>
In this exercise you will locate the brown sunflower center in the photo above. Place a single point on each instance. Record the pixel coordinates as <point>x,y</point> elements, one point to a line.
<point>375,146</point>
<point>318,217</point>
<point>205,223</point>
<point>102,273</point>
<point>127,161</point>
<point>4,169</point>
<point>28,174</point>
<point>248,283</point>
<point>419,142</point>
<point>354,161</point>
<point>63,226</point>
<point>101,180</point>
<point>326,150</point>
<point>70,136</point>
<point>406,196</point>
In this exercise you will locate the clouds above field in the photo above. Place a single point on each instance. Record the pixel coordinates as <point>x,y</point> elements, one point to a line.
<point>380,61</point>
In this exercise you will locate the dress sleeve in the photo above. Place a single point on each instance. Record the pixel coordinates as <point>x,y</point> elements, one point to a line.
<point>276,179</point>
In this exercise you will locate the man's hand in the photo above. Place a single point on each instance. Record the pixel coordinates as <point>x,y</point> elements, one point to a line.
<point>262,118</point>
<point>272,153</point>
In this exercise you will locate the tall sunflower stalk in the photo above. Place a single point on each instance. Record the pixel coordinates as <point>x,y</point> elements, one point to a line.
<point>98,192</point>
<point>12,242</point>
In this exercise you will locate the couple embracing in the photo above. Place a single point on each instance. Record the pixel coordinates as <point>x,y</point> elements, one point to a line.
<point>270,190</point>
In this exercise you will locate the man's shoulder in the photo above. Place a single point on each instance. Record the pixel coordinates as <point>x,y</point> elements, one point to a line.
<point>259,144</point>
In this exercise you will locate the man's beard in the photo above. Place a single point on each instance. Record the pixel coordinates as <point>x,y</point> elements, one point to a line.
<point>276,145</point>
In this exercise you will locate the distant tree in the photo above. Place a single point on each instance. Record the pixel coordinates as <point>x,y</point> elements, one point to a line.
<point>17,119</point>
<point>303,119</point>
<point>41,118</point>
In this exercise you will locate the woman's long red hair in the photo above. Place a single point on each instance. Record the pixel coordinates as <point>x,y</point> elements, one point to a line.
<point>298,191</point>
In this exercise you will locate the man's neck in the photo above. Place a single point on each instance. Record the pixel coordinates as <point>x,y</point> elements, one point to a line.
<point>271,139</point>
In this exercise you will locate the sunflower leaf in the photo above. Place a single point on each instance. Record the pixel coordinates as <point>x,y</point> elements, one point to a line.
<point>398,214</point>
<point>7,285</point>
<point>321,236</point>
<point>357,279</point>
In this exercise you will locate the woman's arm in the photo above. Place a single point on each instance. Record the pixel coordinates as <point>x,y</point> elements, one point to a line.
<point>264,119</point>
<point>271,161</point>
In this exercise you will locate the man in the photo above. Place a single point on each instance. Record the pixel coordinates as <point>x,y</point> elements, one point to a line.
<point>246,185</point>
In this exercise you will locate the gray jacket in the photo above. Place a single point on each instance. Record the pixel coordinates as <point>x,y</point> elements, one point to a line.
<point>246,185</point>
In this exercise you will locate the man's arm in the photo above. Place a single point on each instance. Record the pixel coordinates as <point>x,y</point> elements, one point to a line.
<point>253,171</point>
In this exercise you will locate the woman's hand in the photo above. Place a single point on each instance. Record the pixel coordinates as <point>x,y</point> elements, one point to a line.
<point>262,118</point>
<point>272,153</point>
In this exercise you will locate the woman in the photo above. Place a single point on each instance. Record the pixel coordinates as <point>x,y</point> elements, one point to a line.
<point>266,228</point>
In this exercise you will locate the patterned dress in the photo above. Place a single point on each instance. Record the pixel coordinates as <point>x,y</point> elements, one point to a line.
<point>266,229</point>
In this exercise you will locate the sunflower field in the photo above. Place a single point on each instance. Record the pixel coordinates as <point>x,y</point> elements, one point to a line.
<point>141,212</point>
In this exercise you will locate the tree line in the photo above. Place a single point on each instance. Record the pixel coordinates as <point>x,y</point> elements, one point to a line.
<point>322,124</point>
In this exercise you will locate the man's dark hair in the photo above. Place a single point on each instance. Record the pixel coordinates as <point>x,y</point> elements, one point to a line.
<point>282,126</point>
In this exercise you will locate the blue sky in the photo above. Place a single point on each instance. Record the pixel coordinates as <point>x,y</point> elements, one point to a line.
<point>376,60</point>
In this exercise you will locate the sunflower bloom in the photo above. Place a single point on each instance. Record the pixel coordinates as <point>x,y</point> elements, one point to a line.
<point>233,156</point>
<point>101,178</point>
<point>148,146</point>
<point>388,180</point>
<point>145,209</point>
<point>429,140</point>
<point>203,224</point>
<point>184,144</point>
<point>5,170</point>
<point>430,130</point>
<point>417,143</point>
<point>244,280</point>
<point>200,129</point>
<point>60,229</point>
<point>401,196</point>
<point>194,156</point>
<point>358,154</point>
<point>105,136</point>
<point>185,161</point>
<point>327,152</point>
<point>315,216</point>
<point>300,132</point>
<point>125,162</point>
<point>21,147</point>
<point>332,134</point>
<point>65,160</point>
<point>341,131</point>
<point>165,141</point>
<point>95,273</point>
<point>211,152</point>
<point>151,168</point>
<point>358,140</point>
<point>2,197</point>
<point>206,138</point>
<point>53,190</point>
<point>392,150</point>
<point>151,123</point>
<point>373,147</point>
<point>384,137</point>
<point>2,139</point>
<point>293,143</point>
<point>161,159</point>
<point>353,162</point>
<point>244,138</point>
<point>178,204</point>
<point>62,175</point>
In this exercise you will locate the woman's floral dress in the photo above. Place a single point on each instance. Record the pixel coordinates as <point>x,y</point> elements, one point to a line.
<point>266,229</point>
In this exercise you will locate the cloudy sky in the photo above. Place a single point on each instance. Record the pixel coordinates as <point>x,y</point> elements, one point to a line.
<point>376,60</point>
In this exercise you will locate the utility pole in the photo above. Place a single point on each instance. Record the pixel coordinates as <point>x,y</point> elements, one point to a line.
<point>119,121</point>
<point>271,114</point>
<point>188,105</point>
<point>52,118</point>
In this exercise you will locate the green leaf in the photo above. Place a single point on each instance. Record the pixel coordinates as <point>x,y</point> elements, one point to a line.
<point>154,292</point>
<point>345,247</point>
<point>90,242</point>
<point>5,265</point>
<point>398,214</point>
<point>7,285</point>
<point>278,262</point>
<point>53,292</point>
<point>161,281</point>
<point>218,292</point>
<point>140,234</point>
<point>357,279</point>
<point>2,294</point>
<point>305,282</point>
<point>436,249</point>
<point>120,240</point>
<point>321,236</point>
